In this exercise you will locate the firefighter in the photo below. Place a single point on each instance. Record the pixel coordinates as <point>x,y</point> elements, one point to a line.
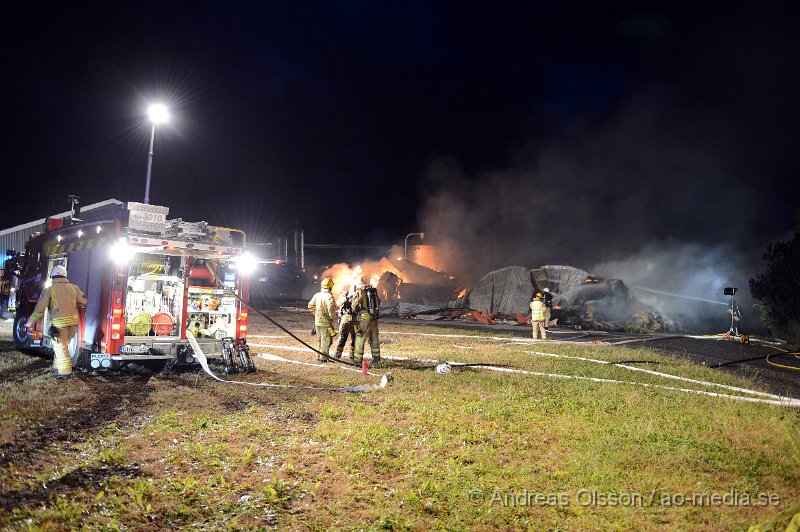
<point>7,274</point>
<point>61,300</point>
<point>5,289</point>
<point>538,314</point>
<point>323,307</point>
<point>547,299</point>
<point>365,304</point>
<point>347,322</point>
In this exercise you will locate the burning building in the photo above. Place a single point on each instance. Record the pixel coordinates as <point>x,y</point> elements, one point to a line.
<point>397,280</point>
<point>581,300</point>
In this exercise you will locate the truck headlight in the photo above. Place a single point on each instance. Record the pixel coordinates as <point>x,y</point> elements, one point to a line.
<point>246,263</point>
<point>121,252</point>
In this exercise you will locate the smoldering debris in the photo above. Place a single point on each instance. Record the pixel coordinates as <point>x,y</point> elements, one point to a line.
<point>581,300</point>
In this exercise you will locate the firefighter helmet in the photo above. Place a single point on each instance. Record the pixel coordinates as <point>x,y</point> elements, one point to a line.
<point>547,290</point>
<point>326,283</point>
<point>58,270</point>
<point>539,295</point>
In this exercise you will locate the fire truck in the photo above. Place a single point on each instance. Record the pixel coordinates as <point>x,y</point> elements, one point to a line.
<point>149,282</point>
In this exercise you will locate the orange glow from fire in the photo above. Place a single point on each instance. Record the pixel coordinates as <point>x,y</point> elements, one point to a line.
<point>343,277</point>
<point>427,256</point>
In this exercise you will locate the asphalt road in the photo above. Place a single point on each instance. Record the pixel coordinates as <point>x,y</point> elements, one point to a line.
<point>747,360</point>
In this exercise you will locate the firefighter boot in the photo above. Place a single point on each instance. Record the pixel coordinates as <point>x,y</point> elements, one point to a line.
<point>377,363</point>
<point>341,343</point>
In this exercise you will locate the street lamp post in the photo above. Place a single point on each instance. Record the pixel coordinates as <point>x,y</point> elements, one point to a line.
<point>405,246</point>
<point>157,114</point>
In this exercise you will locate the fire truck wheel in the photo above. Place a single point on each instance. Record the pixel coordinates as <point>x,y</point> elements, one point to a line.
<point>21,337</point>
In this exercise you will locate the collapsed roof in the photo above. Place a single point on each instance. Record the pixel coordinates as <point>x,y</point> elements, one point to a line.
<point>408,281</point>
<point>412,273</point>
<point>580,299</point>
<point>508,291</point>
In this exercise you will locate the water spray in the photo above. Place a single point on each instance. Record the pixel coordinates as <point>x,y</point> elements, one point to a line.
<point>680,296</point>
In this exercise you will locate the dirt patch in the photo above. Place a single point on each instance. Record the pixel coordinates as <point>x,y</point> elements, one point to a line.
<point>25,372</point>
<point>106,399</point>
<point>92,479</point>
<point>304,418</point>
<point>236,405</point>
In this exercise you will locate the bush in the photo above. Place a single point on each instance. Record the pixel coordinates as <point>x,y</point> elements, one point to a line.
<point>778,286</point>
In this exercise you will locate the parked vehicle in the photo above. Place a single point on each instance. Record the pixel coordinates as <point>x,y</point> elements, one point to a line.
<point>149,281</point>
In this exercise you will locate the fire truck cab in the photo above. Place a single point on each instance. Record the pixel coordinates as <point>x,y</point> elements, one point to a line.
<point>148,281</point>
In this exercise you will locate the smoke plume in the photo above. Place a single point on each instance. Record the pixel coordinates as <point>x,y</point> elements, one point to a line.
<point>645,198</point>
<point>688,279</point>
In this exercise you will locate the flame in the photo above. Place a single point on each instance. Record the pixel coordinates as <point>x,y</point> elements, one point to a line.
<point>462,293</point>
<point>344,276</point>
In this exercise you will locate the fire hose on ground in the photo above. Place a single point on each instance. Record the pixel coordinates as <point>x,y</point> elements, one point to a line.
<point>765,358</point>
<point>384,379</point>
<point>421,364</point>
<point>785,352</point>
<point>746,339</point>
<point>361,388</point>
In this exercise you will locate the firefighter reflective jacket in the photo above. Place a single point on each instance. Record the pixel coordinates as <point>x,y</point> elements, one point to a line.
<point>537,310</point>
<point>323,307</point>
<point>63,299</point>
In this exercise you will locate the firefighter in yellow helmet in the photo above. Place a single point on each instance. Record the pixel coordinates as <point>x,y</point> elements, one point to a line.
<point>538,316</point>
<point>61,300</point>
<point>323,307</point>
<point>365,304</point>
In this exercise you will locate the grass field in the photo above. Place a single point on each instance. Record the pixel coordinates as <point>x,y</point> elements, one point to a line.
<point>472,449</point>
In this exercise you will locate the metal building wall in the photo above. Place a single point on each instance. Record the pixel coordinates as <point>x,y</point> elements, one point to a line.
<point>16,240</point>
<point>15,237</point>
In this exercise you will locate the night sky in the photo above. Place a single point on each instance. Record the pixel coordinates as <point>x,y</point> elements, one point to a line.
<point>517,132</point>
